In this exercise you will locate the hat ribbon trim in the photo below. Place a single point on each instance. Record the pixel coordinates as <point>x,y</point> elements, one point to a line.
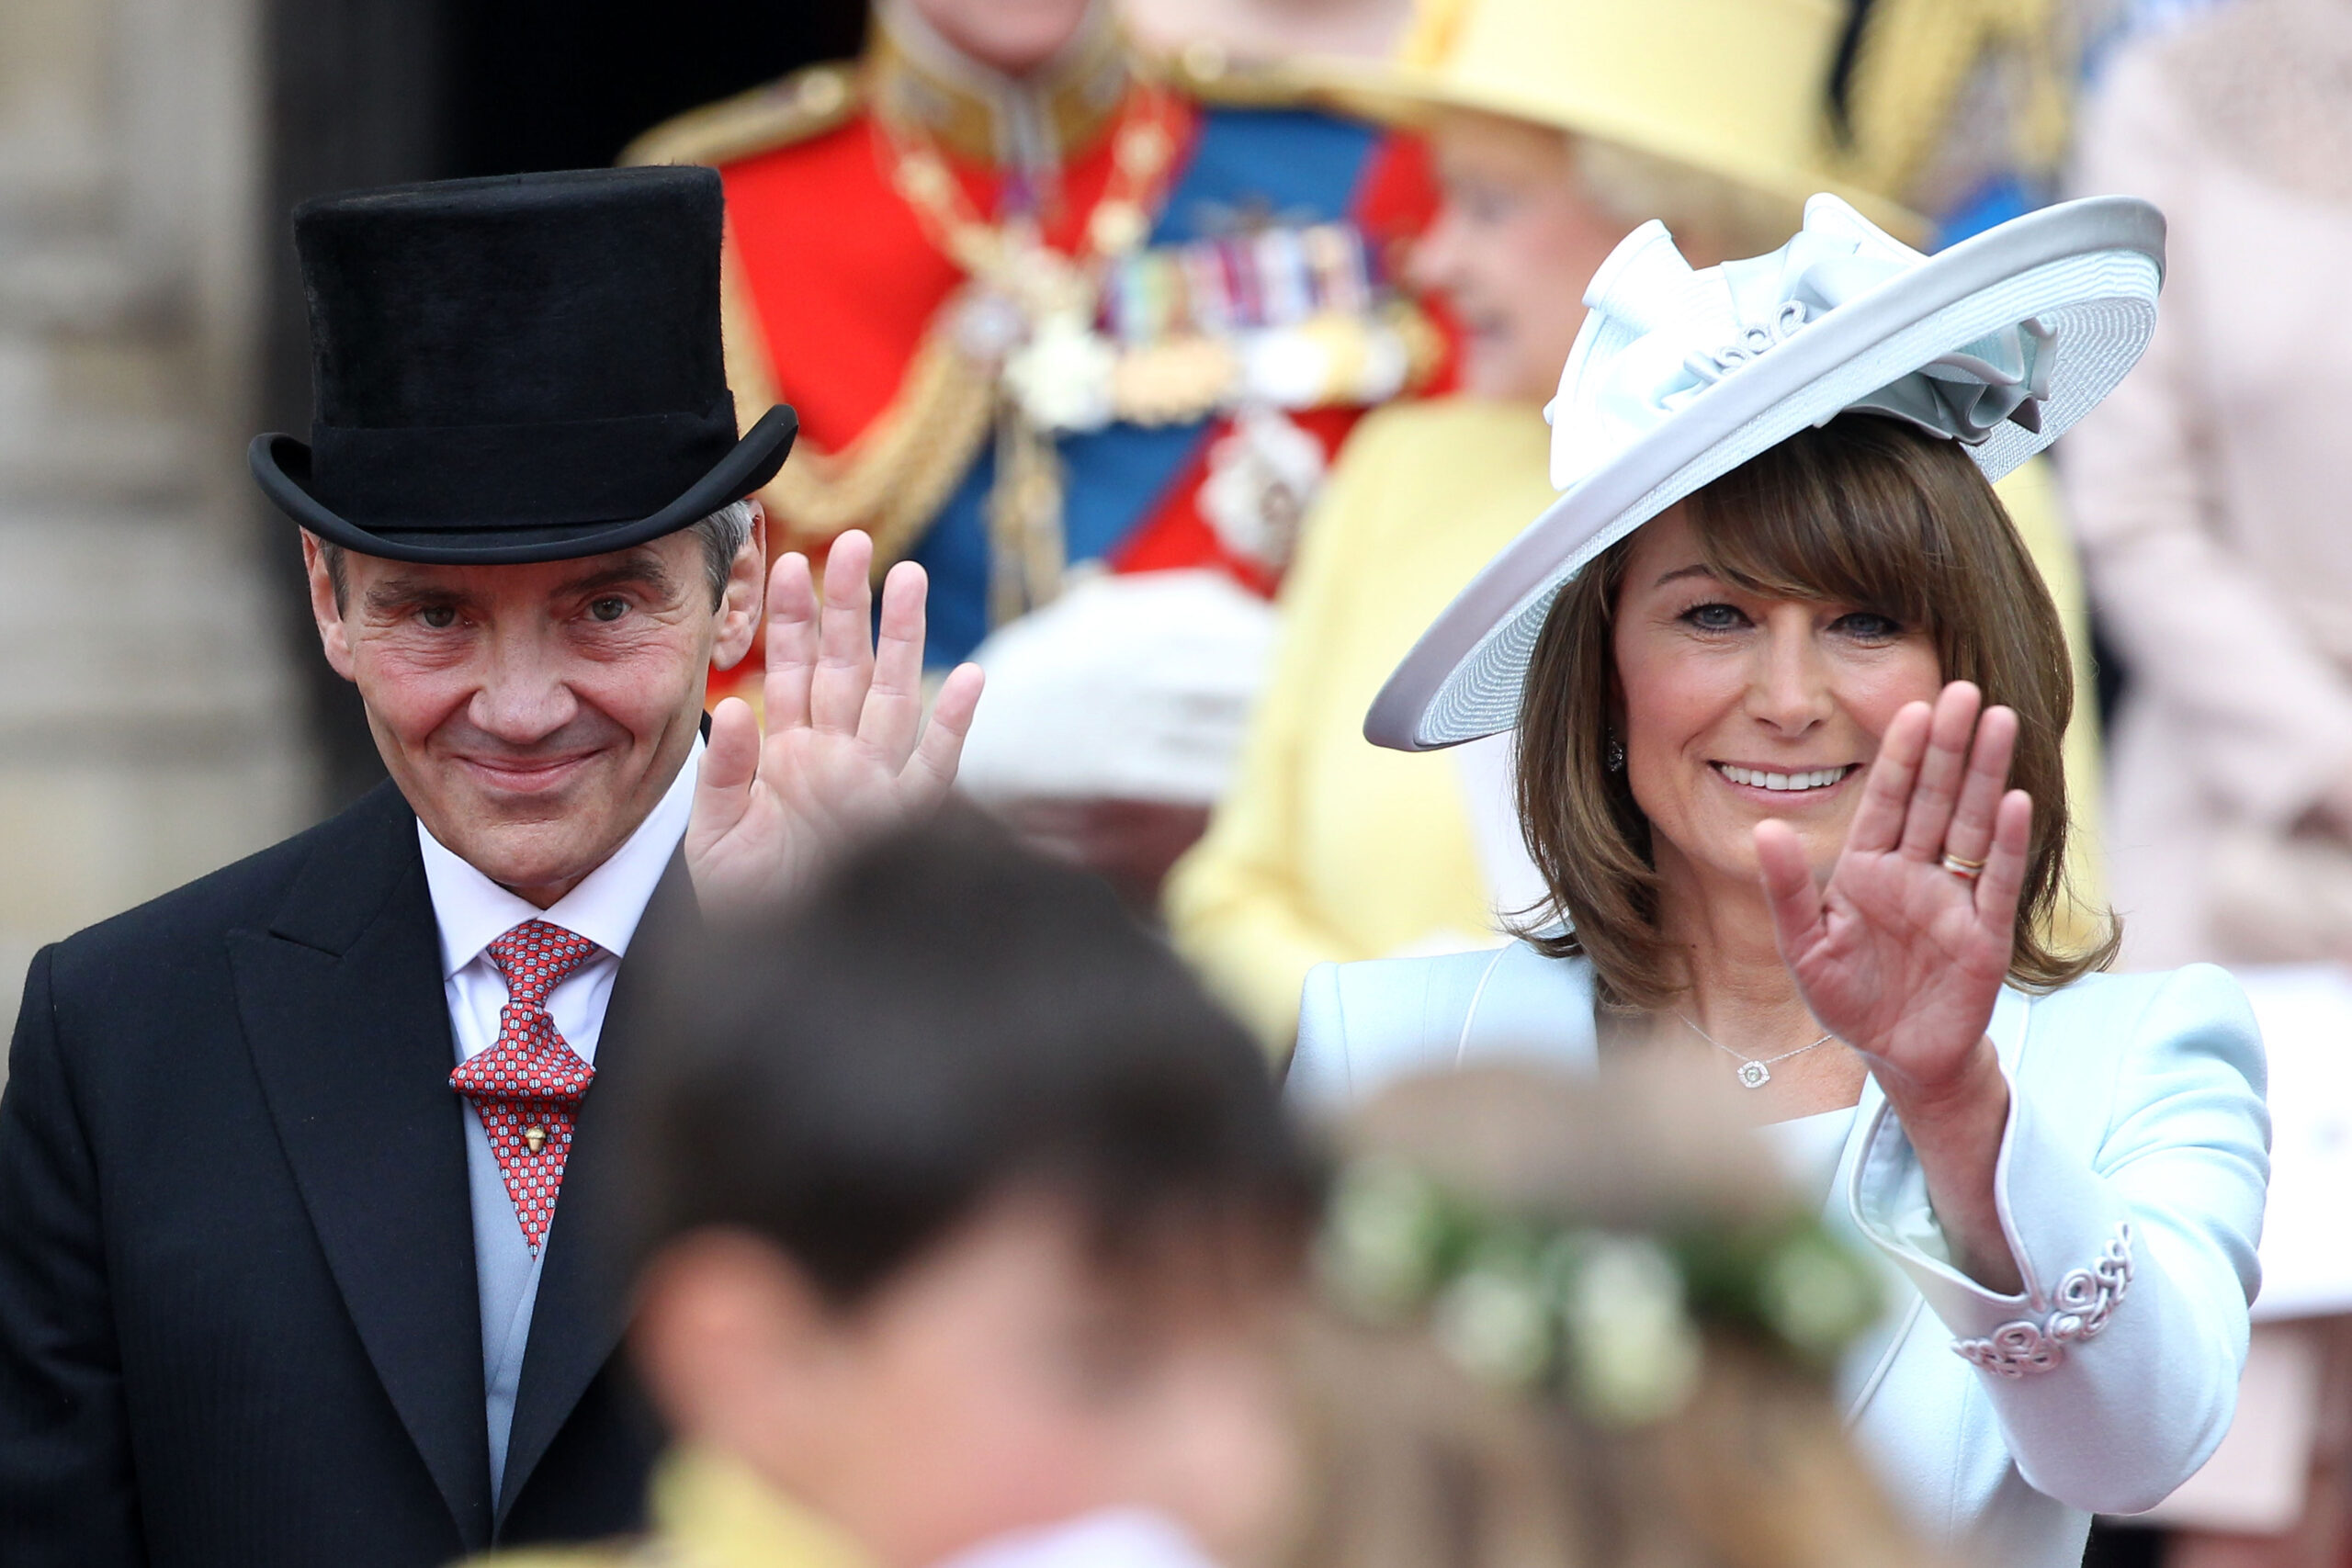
<point>462,478</point>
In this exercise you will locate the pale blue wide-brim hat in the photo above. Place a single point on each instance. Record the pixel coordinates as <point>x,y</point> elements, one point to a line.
<point>1679,375</point>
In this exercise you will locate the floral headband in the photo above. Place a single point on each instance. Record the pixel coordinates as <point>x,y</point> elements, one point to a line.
<point>1609,1319</point>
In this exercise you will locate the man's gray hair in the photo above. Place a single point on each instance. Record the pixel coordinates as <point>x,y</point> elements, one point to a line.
<point>723,535</point>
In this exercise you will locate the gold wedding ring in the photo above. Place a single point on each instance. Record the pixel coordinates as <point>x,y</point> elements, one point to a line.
<point>1966,870</point>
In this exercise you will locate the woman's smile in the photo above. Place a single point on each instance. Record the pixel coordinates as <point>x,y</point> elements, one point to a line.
<point>1784,786</point>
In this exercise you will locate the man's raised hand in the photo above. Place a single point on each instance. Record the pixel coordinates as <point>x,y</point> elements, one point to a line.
<point>846,753</point>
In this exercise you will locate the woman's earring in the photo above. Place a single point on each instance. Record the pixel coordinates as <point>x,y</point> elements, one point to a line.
<point>1616,758</point>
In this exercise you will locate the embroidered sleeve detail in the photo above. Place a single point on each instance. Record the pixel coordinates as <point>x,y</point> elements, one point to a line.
<point>2086,1299</point>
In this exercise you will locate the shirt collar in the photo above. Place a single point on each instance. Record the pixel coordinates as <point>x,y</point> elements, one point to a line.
<point>473,911</point>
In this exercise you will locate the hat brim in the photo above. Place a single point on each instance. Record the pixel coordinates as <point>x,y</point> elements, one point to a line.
<point>281,466</point>
<point>1411,95</point>
<point>2089,269</point>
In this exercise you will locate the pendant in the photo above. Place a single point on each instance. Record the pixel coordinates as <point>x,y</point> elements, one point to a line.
<point>1754,1075</point>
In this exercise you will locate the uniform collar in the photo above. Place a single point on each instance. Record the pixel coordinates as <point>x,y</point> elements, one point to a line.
<point>922,82</point>
<point>472,912</point>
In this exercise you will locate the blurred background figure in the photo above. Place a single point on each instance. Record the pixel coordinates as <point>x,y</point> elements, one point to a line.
<point>1047,317</point>
<point>964,1214</point>
<point>2208,499</point>
<point>1574,1323</point>
<point>1557,128</point>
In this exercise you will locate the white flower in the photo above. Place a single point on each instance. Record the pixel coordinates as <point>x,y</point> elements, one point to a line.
<point>1380,1248</point>
<point>1633,1353</point>
<point>1494,1322</point>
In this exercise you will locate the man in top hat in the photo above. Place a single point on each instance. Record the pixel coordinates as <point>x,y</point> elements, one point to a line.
<point>302,1165</point>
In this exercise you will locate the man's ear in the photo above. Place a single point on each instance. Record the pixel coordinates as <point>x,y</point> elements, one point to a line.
<point>335,636</point>
<point>739,607</point>
<point>739,1350</point>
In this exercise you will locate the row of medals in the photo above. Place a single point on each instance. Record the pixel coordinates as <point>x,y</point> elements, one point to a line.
<point>1281,315</point>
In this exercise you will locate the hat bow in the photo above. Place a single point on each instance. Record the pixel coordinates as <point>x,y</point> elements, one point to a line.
<point>1661,335</point>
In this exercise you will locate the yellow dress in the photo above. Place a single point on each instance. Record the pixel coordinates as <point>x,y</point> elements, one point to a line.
<point>708,1512</point>
<point>1331,848</point>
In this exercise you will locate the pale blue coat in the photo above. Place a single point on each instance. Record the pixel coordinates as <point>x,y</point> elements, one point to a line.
<point>2136,1157</point>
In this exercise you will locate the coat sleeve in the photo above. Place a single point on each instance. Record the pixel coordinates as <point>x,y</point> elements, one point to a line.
<point>67,1498</point>
<point>2114,1373</point>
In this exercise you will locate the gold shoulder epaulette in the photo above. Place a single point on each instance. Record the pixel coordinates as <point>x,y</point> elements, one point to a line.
<point>807,103</point>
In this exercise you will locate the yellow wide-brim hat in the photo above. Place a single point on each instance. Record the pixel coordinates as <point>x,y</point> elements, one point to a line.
<point>1733,88</point>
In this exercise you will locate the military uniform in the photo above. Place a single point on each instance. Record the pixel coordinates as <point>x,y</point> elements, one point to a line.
<point>1101,314</point>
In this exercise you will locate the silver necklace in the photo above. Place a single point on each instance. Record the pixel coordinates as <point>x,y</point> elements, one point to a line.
<point>1754,1073</point>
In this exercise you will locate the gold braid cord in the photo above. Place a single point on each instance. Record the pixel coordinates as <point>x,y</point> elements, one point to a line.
<point>894,478</point>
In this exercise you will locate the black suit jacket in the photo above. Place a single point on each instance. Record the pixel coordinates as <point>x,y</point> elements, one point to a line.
<point>238,1317</point>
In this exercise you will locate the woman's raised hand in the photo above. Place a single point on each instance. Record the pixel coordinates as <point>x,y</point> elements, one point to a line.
<point>1900,954</point>
<point>847,752</point>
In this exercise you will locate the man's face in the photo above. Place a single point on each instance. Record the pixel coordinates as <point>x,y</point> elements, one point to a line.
<point>1011,36</point>
<point>534,714</point>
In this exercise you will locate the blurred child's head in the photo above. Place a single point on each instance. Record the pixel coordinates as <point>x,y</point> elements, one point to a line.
<point>1586,1358</point>
<point>965,1211</point>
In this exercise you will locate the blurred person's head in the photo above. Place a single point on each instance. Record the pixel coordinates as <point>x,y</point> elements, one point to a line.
<point>1012,36</point>
<point>532,715</point>
<point>965,1211</point>
<point>1579,1323</point>
<point>1530,212</point>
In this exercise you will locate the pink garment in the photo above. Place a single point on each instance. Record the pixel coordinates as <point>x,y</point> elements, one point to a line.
<point>2209,493</point>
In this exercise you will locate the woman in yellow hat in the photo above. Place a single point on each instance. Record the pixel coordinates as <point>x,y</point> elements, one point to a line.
<point>1558,125</point>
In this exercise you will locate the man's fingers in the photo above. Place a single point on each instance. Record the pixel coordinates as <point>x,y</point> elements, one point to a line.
<point>1970,835</point>
<point>844,636</point>
<point>1787,885</point>
<point>791,644</point>
<point>1942,767</point>
<point>942,739</point>
<point>893,713</point>
<point>1887,788</point>
<point>730,761</point>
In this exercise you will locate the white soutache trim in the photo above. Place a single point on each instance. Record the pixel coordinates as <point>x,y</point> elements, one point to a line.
<point>2114,297</point>
<point>2085,1301</point>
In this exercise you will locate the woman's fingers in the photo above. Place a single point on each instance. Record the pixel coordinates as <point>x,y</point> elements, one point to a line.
<point>1970,835</point>
<point>1887,788</point>
<point>845,637</point>
<point>2002,882</point>
<point>791,645</point>
<point>1944,765</point>
<point>893,712</point>
<point>1788,885</point>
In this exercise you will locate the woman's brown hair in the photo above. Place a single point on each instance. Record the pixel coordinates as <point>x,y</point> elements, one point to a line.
<point>1413,1462</point>
<point>1863,511</point>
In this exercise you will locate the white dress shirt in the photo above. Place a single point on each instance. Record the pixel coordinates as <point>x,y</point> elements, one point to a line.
<point>472,912</point>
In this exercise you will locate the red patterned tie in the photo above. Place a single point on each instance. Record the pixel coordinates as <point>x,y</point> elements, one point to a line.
<point>528,1086</point>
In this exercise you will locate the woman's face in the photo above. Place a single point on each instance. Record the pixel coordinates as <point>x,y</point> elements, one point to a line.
<point>1739,707</point>
<point>1511,250</point>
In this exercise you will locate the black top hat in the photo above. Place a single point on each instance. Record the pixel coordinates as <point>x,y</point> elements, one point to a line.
<point>522,368</point>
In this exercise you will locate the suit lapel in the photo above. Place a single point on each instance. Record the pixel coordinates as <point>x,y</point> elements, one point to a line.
<point>583,1307</point>
<point>344,1015</point>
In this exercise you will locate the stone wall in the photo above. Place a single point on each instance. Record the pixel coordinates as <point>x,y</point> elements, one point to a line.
<point>149,730</point>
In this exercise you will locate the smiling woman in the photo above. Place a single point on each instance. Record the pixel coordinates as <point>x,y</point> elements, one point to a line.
<point>1903,537</point>
<point>1788,695</point>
